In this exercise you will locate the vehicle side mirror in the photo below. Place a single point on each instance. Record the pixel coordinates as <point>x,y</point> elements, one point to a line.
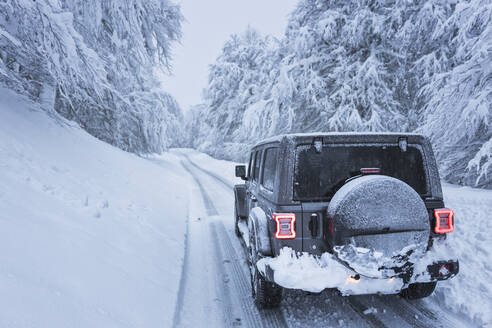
<point>241,172</point>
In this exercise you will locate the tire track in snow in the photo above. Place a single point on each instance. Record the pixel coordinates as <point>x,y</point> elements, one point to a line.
<point>269,318</point>
<point>406,312</point>
<point>222,290</point>
<point>359,308</point>
<point>209,205</point>
<point>225,253</point>
<point>211,210</point>
<point>182,280</point>
<point>416,308</point>
<point>222,283</point>
<point>220,179</point>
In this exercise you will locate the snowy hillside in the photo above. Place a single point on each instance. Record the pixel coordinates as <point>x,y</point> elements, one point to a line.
<point>90,236</point>
<point>96,63</point>
<point>420,66</point>
<point>469,294</point>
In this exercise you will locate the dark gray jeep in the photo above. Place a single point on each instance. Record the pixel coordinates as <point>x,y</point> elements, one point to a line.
<point>366,210</point>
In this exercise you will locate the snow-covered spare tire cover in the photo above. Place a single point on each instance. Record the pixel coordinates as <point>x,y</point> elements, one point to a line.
<point>378,221</point>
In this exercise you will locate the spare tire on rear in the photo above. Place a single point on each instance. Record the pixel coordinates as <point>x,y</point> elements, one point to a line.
<point>381,217</point>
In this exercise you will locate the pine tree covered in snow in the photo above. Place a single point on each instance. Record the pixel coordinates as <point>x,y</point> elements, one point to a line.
<point>94,62</point>
<point>387,65</point>
<point>459,106</point>
<point>238,81</point>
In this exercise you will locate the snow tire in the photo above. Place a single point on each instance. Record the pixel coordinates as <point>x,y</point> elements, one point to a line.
<point>266,294</point>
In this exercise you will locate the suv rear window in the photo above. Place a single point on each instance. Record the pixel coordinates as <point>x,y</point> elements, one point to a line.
<point>318,175</point>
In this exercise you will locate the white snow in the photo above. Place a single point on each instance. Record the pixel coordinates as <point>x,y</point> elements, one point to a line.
<point>10,37</point>
<point>90,236</point>
<point>370,311</point>
<point>314,275</point>
<point>470,292</point>
<point>243,228</point>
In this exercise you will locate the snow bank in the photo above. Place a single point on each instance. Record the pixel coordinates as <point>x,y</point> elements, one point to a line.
<point>470,292</point>
<point>314,275</point>
<point>90,236</point>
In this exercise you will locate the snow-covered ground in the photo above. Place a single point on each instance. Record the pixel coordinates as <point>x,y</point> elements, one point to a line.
<point>470,292</point>
<point>90,236</point>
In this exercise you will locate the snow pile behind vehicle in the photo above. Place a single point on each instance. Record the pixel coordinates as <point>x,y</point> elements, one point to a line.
<point>314,274</point>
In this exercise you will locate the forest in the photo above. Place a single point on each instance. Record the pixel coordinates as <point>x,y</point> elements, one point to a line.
<point>95,63</point>
<point>422,66</point>
<point>409,66</point>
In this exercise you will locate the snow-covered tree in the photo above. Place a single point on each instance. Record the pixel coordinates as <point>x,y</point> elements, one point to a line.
<point>341,62</point>
<point>459,107</point>
<point>94,62</point>
<point>362,65</point>
<point>237,80</point>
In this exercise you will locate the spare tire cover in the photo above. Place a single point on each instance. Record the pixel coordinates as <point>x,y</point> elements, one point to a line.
<point>379,214</point>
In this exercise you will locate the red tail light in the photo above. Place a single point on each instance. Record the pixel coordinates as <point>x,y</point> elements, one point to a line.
<point>285,225</point>
<point>370,170</point>
<point>444,220</point>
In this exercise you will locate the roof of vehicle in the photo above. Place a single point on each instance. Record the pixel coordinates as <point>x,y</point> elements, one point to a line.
<point>346,137</point>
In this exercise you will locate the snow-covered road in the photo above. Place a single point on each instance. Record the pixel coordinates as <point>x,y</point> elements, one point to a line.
<point>215,287</point>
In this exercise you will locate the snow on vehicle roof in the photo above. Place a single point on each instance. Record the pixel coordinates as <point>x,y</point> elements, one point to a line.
<point>363,136</point>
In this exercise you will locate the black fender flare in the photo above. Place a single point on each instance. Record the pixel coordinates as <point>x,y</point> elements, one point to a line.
<point>258,222</point>
<point>240,199</point>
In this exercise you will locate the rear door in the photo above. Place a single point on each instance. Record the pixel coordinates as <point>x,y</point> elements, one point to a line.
<point>313,223</point>
<point>321,171</point>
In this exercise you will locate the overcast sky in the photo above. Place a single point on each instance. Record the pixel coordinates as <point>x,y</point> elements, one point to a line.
<point>209,23</point>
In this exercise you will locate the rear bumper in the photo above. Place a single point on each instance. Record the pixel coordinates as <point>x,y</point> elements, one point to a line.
<point>336,275</point>
<point>441,270</point>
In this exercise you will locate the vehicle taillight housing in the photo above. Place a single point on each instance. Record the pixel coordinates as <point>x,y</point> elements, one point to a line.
<point>285,225</point>
<point>444,220</point>
<point>370,170</point>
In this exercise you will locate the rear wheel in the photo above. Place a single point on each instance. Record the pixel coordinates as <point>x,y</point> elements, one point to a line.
<point>418,290</point>
<point>265,294</point>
